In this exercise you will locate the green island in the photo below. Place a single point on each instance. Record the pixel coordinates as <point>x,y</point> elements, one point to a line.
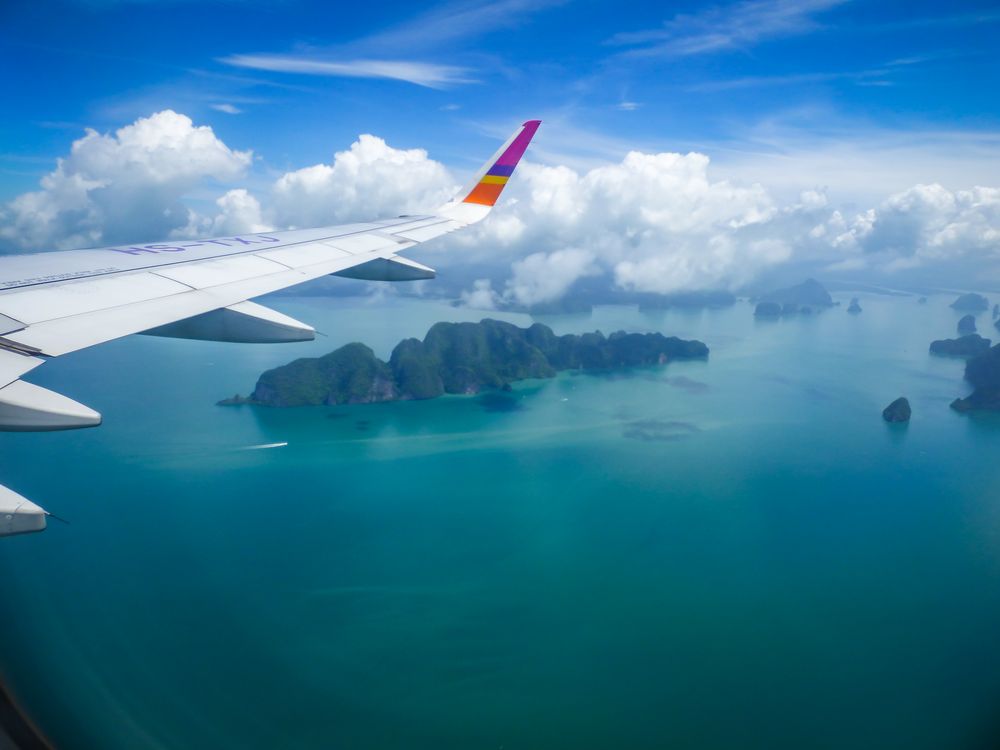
<point>983,372</point>
<point>461,358</point>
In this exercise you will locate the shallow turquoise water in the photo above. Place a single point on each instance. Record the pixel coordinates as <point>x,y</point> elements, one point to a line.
<point>732,553</point>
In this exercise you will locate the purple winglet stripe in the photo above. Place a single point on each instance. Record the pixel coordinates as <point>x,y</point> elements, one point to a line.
<point>501,170</point>
<point>516,150</point>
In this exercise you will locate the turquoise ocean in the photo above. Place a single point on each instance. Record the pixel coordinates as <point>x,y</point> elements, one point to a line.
<point>737,553</point>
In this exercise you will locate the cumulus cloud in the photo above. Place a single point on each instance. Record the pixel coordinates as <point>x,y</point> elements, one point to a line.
<point>481,297</point>
<point>542,277</point>
<point>923,226</point>
<point>121,187</point>
<point>656,222</point>
<point>930,222</point>
<point>370,179</point>
<point>240,213</point>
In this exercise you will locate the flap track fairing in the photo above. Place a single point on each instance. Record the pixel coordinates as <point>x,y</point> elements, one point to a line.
<point>242,323</point>
<point>389,269</point>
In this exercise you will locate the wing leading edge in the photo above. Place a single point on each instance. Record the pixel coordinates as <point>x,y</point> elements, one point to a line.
<point>58,302</point>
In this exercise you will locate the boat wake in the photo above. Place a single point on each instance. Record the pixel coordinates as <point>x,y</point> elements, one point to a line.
<point>263,446</point>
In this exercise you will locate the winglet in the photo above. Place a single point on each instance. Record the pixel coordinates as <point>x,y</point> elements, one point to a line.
<point>477,198</point>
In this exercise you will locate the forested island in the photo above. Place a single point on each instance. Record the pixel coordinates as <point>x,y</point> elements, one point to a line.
<point>983,372</point>
<point>462,358</point>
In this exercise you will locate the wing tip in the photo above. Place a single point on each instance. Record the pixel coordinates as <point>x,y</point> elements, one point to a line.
<point>492,179</point>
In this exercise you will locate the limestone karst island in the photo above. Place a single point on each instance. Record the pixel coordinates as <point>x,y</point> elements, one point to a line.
<point>459,358</point>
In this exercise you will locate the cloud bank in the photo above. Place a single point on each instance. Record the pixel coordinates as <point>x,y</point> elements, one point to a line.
<point>653,222</point>
<point>117,187</point>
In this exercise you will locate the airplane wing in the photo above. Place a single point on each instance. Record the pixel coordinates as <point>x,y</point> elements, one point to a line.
<point>57,302</point>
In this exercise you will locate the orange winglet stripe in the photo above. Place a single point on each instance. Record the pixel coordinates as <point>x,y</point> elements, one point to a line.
<point>485,194</point>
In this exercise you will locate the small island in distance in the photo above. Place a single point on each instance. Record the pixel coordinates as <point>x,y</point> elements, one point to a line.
<point>898,411</point>
<point>460,358</point>
<point>971,302</point>
<point>802,299</point>
<point>965,346</point>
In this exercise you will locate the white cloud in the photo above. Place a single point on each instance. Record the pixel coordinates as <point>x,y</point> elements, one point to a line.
<point>431,75</point>
<point>654,221</point>
<point>481,297</point>
<point>369,180</point>
<point>121,187</point>
<point>542,277</point>
<point>240,214</point>
<point>128,186</point>
<point>923,225</point>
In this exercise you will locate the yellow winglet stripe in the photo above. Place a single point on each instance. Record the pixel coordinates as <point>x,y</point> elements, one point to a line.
<point>493,179</point>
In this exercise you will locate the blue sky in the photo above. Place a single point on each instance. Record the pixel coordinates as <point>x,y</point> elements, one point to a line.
<point>838,136</point>
<point>606,76</point>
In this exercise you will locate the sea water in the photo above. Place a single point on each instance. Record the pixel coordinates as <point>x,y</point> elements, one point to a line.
<point>736,552</point>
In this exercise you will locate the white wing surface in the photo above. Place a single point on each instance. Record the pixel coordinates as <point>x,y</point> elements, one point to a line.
<point>57,302</point>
